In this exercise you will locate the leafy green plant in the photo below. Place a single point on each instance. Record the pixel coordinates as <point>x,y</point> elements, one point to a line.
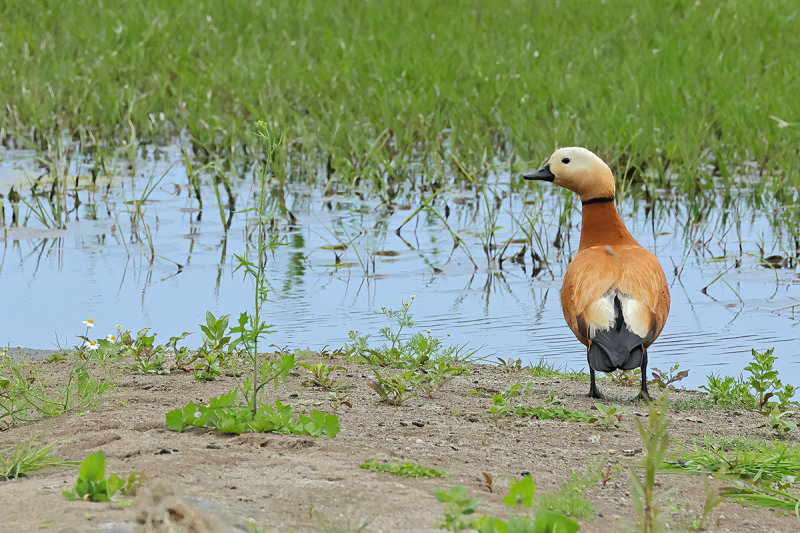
<point>28,456</point>
<point>664,379</point>
<point>776,419</point>
<point>521,493</point>
<point>655,439</point>
<point>758,390</point>
<point>502,406</point>
<point>608,415</point>
<point>223,414</point>
<point>510,364</point>
<point>93,485</point>
<point>458,505</point>
<point>725,389</point>
<point>763,377</point>
<point>253,264</point>
<point>319,375</point>
<point>211,356</point>
<point>339,397</point>
<point>500,402</point>
<point>24,395</point>
<point>407,469</point>
<point>396,389</point>
<point>569,500</point>
<point>627,378</point>
<point>418,351</point>
<point>436,375</point>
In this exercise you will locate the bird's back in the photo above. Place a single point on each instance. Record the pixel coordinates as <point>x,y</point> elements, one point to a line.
<point>615,295</point>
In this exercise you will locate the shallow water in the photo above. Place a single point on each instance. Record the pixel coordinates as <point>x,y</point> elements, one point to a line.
<point>51,280</point>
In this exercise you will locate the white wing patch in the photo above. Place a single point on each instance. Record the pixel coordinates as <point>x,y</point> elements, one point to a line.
<point>636,315</point>
<point>601,314</point>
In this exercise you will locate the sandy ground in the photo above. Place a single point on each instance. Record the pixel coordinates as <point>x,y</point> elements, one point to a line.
<point>202,480</point>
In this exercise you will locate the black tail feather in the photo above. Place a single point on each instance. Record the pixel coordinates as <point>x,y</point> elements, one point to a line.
<point>616,348</point>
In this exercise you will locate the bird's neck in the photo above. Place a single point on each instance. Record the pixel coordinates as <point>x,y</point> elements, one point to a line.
<point>602,226</point>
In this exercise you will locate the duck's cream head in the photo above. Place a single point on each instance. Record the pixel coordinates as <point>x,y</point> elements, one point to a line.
<point>578,170</point>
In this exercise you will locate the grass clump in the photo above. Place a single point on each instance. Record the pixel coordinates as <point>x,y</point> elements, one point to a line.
<point>745,459</point>
<point>762,474</point>
<point>545,369</point>
<point>27,457</point>
<point>407,469</point>
<point>26,396</point>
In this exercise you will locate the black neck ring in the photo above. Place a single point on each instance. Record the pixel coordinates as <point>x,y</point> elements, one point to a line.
<point>598,200</point>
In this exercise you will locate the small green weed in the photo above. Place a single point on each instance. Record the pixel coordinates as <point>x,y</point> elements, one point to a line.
<point>510,364</point>
<point>521,494</point>
<point>764,495</point>
<point>212,356</point>
<point>655,439</point>
<point>569,499</point>
<point>407,469</point>
<point>419,351</point>
<point>628,378</point>
<point>93,485</point>
<point>223,414</point>
<point>396,389</point>
<point>319,375</point>
<point>500,402</point>
<point>502,406</point>
<point>664,379</point>
<point>458,505</point>
<point>608,415</point>
<point>776,419</point>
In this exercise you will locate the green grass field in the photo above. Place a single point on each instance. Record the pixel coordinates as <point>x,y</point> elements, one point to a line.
<point>685,92</point>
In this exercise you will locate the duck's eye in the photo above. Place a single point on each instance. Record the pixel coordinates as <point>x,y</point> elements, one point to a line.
<point>565,160</point>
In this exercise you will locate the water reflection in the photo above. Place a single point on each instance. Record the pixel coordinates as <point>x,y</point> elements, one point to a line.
<point>162,262</point>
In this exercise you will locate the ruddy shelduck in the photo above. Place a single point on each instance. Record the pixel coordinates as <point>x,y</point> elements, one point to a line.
<point>614,297</point>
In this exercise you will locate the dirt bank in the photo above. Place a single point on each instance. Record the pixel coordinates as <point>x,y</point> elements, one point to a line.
<point>299,483</point>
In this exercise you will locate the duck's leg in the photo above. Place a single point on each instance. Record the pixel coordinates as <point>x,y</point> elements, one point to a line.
<point>643,394</point>
<point>593,392</point>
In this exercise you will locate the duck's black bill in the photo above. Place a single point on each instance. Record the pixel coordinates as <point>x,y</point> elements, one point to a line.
<point>543,174</point>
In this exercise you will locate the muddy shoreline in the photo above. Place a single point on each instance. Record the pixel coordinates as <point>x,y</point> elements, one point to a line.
<point>215,482</point>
